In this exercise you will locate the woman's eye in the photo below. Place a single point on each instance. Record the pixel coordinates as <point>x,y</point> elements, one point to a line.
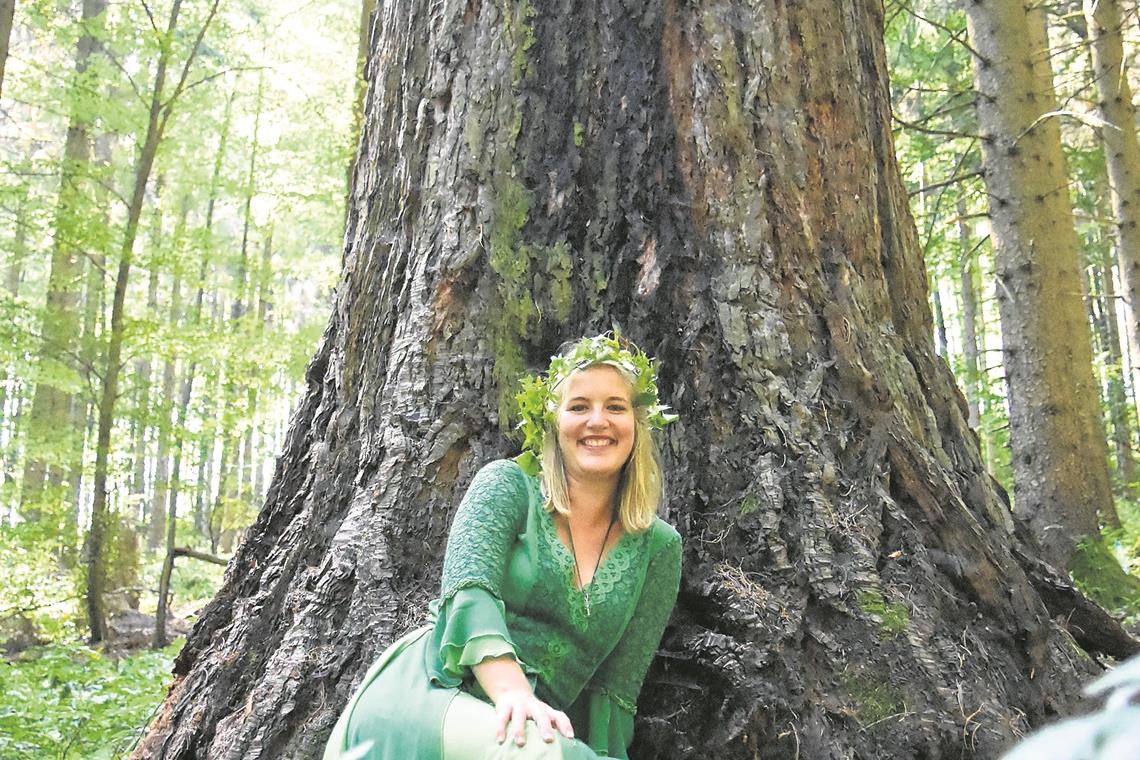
<point>617,407</point>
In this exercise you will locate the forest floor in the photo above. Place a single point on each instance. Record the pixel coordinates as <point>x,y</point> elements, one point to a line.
<point>60,697</point>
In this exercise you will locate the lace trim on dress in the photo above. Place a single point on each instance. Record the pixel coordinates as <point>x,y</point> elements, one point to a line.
<point>612,572</point>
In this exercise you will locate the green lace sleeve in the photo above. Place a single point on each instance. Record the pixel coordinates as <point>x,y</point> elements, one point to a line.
<point>489,519</point>
<point>469,617</point>
<point>617,682</point>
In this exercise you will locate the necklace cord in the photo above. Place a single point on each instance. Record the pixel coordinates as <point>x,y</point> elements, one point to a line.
<point>574,554</point>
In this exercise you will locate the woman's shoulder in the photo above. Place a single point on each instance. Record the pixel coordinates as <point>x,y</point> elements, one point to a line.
<point>663,535</point>
<point>501,477</point>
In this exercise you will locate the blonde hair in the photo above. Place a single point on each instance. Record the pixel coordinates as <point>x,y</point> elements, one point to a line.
<point>639,487</point>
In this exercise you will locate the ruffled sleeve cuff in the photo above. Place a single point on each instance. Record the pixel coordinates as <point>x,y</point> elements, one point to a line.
<point>611,724</point>
<point>469,627</point>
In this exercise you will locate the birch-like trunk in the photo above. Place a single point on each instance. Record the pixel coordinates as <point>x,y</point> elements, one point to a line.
<point>718,178</point>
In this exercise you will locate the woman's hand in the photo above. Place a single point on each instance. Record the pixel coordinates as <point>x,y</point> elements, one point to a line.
<point>505,683</point>
<point>516,706</point>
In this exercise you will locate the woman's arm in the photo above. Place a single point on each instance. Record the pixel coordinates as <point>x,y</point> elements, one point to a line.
<point>471,632</point>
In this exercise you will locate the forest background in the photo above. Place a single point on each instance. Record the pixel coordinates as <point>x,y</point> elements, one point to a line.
<point>171,210</point>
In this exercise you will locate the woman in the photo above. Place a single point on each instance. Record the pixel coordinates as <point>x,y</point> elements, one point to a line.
<point>558,581</point>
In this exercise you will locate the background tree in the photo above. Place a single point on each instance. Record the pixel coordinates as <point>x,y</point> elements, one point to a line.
<point>1060,461</point>
<point>54,435</point>
<point>719,178</point>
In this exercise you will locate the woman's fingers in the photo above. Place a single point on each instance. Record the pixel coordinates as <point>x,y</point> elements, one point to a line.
<point>502,716</point>
<point>518,721</point>
<point>541,715</point>
<point>512,714</point>
<point>563,723</point>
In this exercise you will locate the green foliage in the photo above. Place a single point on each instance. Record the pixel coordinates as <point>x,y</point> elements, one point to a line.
<point>35,588</point>
<point>66,700</point>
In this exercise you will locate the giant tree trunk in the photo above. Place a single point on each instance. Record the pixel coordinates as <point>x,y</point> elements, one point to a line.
<point>718,178</point>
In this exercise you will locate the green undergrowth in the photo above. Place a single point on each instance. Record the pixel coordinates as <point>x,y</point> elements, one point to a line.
<point>66,700</point>
<point>1098,573</point>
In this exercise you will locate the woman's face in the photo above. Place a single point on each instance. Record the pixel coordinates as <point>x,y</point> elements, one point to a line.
<point>596,423</point>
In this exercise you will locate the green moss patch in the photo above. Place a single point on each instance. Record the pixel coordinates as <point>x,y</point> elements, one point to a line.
<point>875,698</point>
<point>892,617</point>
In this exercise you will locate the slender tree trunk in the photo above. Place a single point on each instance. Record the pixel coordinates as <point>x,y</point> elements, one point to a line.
<point>969,313</point>
<point>7,15</point>
<point>53,434</point>
<point>9,381</point>
<point>195,316</point>
<point>1121,152</point>
<point>160,111</point>
<point>144,416</point>
<point>156,514</point>
<point>718,179</point>
<point>1122,426</point>
<point>264,306</point>
<point>230,471</point>
<point>1060,459</point>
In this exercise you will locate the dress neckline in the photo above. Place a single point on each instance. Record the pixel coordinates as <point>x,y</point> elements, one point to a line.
<point>568,558</point>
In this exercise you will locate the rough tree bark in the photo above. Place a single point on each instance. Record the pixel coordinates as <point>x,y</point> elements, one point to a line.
<point>1059,454</point>
<point>717,177</point>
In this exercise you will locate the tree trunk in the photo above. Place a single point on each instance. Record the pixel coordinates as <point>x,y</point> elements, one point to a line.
<point>367,17</point>
<point>7,15</point>
<point>970,348</point>
<point>158,118</point>
<point>1121,152</point>
<point>157,511</point>
<point>1114,368</point>
<point>144,416</point>
<point>53,435</point>
<point>1060,458</point>
<point>176,470</point>
<point>10,380</point>
<point>718,179</point>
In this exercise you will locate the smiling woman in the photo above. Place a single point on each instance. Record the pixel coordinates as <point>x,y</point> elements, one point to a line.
<point>558,581</point>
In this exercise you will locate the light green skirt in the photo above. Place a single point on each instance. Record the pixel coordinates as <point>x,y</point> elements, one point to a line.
<point>398,714</point>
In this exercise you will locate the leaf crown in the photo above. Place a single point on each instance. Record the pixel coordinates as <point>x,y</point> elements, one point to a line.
<point>537,401</point>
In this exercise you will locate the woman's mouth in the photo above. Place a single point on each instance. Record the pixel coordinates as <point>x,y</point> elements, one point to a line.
<point>597,443</point>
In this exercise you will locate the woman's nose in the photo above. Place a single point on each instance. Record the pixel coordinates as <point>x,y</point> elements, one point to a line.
<point>597,417</point>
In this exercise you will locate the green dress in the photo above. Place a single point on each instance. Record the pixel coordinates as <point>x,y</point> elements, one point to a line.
<point>509,588</point>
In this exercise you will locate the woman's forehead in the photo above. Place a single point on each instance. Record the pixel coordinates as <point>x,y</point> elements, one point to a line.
<point>598,381</point>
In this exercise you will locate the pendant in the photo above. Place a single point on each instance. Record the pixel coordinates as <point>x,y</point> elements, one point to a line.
<point>586,602</point>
